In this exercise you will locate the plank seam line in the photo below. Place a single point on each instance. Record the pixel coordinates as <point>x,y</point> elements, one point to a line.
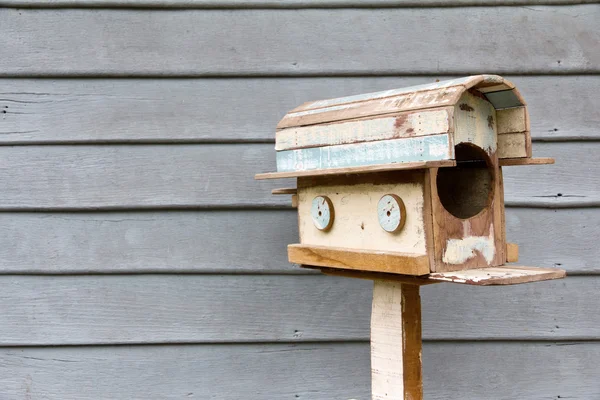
<point>266,74</point>
<point>175,142</point>
<point>547,342</point>
<point>216,273</point>
<point>249,207</point>
<point>266,5</point>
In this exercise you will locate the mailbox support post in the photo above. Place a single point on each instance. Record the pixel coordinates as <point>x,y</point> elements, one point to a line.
<point>396,371</point>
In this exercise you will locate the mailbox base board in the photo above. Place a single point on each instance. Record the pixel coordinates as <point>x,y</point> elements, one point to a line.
<point>504,275</point>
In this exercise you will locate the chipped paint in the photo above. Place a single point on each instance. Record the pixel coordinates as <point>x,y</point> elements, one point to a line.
<point>458,251</point>
<point>427,148</point>
<point>475,122</point>
<point>420,123</point>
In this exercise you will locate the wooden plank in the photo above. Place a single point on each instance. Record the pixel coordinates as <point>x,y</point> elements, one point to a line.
<point>512,145</point>
<point>240,241</point>
<point>404,150</point>
<point>374,276</point>
<point>191,110</point>
<point>276,4</point>
<point>176,241</point>
<point>396,372</point>
<point>358,170</point>
<point>506,275</point>
<point>362,260</point>
<point>200,176</point>
<point>402,100</point>
<point>303,42</point>
<point>282,191</point>
<point>128,309</point>
<point>512,252</point>
<point>357,223</point>
<point>408,124</point>
<point>506,162</point>
<point>316,371</point>
<point>511,120</point>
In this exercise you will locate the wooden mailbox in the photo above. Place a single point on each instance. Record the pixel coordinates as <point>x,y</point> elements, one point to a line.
<point>405,187</point>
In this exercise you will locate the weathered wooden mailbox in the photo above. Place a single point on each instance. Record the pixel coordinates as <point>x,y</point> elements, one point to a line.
<point>405,187</point>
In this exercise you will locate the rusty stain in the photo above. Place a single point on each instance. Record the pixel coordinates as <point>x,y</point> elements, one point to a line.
<point>410,131</point>
<point>490,120</point>
<point>400,121</point>
<point>466,107</point>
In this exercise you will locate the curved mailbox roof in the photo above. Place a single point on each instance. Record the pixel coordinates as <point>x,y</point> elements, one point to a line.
<point>407,128</point>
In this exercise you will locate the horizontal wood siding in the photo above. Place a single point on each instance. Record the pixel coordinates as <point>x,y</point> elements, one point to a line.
<point>176,241</point>
<point>139,259</point>
<point>324,42</point>
<point>49,310</point>
<point>314,371</point>
<point>193,176</point>
<point>278,4</point>
<point>226,110</point>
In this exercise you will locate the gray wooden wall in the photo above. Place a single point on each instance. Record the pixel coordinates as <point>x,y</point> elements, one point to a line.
<point>139,259</point>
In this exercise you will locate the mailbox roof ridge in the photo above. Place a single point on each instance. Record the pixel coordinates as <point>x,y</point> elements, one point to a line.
<point>499,91</point>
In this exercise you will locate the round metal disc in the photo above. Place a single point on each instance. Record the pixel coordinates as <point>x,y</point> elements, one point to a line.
<point>391,213</point>
<point>322,212</point>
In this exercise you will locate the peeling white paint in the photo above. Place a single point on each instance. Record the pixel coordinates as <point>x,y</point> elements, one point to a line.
<point>459,251</point>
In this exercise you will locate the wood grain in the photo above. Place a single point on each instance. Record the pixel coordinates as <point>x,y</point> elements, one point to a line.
<point>503,275</point>
<point>512,252</point>
<point>152,241</point>
<point>130,309</point>
<point>276,4</point>
<point>302,42</point>
<point>191,110</point>
<point>396,372</point>
<point>362,260</point>
<point>405,166</point>
<point>316,371</point>
<point>201,176</point>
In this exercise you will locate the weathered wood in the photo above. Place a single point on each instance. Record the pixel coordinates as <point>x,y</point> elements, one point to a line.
<point>357,226</point>
<point>370,104</point>
<point>510,120</point>
<point>303,42</point>
<point>404,150</point>
<point>407,124</point>
<point>358,170</point>
<point>507,162</point>
<point>185,176</point>
<point>505,275</point>
<point>284,191</point>
<point>104,309</point>
<point>513,145</point>
<point>363,260</point>
<point>316,371</point>
<point>512,252</point>
<point>373,276</point>
<point>275,3</point>
<point>191,110</point>
<point>396,372</point>
<point>176,241</point>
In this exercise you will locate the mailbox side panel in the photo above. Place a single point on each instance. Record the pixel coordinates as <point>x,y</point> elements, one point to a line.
<point>474,241</point>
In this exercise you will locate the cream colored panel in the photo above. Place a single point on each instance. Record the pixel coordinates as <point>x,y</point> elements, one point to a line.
<point>356,222</point>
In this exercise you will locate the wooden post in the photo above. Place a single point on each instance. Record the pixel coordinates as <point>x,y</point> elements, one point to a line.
<point>396,372</point>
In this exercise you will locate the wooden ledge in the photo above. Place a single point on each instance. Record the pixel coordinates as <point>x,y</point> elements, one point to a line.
<point>285,191</point>
<point>508,162</point>
<point>359,170</point>
<point>504,275</point>
<point>362,260</point>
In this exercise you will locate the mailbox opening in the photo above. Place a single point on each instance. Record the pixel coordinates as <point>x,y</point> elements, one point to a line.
<point>467,189</point>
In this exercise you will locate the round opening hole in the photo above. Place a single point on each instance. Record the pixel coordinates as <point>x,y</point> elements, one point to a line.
<point>467,189</point>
